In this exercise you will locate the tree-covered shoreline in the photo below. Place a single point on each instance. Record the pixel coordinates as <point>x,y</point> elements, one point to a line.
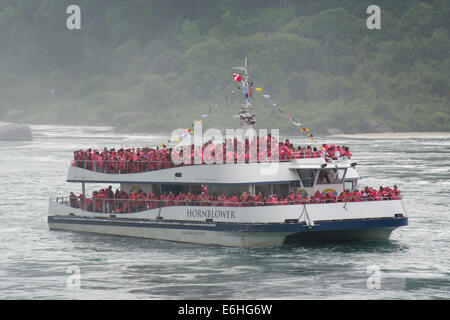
<point>151,66</point>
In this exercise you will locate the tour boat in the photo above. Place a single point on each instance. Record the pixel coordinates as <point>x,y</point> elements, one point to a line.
<point>230,223</point>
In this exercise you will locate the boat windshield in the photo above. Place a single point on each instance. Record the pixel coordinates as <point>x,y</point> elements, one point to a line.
<point>307,176</point>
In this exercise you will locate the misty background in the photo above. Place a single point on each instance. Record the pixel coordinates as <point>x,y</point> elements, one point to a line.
<point>157,65</point>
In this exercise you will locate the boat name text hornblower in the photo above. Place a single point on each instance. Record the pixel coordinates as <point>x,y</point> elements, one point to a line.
<point>210,213</point>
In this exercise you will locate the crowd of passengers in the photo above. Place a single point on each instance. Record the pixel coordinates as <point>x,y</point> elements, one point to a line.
<point>108,201</point>
<point>135,160</point>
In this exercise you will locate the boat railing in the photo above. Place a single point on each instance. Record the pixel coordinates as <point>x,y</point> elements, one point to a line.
<point>113,205</point>
<point>137,166</point>
<point>126,166</point>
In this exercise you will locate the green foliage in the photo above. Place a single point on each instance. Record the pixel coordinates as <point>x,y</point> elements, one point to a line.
<point>155,65</point>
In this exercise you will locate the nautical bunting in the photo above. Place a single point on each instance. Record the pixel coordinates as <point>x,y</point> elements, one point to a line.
<point>248,91</point>
<point>178,138</point>
<point>292,119</point>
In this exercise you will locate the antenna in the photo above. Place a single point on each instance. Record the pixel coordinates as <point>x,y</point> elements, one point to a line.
<point>247,119</point>
<point>244,68</point>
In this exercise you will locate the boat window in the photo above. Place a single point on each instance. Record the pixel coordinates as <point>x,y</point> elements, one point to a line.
<point>334,176</point>
<point>171,188</point>
<point>281,189</point>
<point>263,188</point>
<point>218,188</point>
<point>307,176</point>
<point>295,184</point>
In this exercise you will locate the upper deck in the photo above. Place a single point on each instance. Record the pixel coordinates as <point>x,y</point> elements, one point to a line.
<point>229,173</point>
<point>250,162</point>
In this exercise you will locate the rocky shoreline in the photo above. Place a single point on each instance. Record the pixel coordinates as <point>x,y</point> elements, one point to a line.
<point>15,132</point>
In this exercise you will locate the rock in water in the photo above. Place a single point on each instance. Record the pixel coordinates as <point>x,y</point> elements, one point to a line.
<point>15,132</point>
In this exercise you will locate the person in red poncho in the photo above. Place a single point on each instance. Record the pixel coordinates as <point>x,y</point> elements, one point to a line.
<point>73,200</point>
<point>233,200</point>
<point>274,200</point>
<point>243,199</point>
<point>396,195</point>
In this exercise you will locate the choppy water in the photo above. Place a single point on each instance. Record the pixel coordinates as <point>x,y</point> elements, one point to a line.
<point>35,263</point>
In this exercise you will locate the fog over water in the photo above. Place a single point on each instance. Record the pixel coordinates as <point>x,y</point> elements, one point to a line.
<point>34,261</point>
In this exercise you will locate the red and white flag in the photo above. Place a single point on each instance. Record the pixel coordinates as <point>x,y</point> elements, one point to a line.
<point>237,77</point>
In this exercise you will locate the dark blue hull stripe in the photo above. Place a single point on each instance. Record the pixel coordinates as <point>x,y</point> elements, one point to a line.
<point>235,227</point>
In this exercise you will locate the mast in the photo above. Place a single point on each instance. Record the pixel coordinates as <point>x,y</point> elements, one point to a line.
<point>247,118</point>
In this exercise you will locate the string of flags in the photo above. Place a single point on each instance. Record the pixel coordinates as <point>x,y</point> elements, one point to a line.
<point>189,131</point>
<point>248,90</point>
<point>248,93</point>
<point>290,118</point>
